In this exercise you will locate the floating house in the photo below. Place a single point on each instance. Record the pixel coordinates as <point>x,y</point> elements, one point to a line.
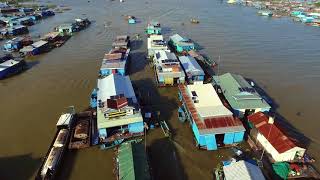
<point>67,28</point>
<point>26,21</point>
<point>17,43</point>
<point>242,170</point>
<point>10,66</point>
<point>122,41</point>
<point>181,44</point>
<point>47,13</point>
<point>156,42</point>
<point>168,69</point>
<point>241,96</point>
<point>35,17</point>
<point>26,10</point>
<point>35,48</point>
<point>153,27</point>
<point>193,71</point>
<point>115,62</point>
<point>213,125</point>
<point>269,135</point>
<point>132,162</point>
<point>51,36</point>
<point>118,113</point>
<point>307,19</point>
<point>17,30</point>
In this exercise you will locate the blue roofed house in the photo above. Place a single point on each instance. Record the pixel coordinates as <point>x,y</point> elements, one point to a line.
<point>193,71</point>
<point>118,111</point>
<point>181,44</point>
<point>242,97</point>
<point>213,125</point>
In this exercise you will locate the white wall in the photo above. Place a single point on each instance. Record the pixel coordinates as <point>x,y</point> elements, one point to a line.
<point>285,156</point>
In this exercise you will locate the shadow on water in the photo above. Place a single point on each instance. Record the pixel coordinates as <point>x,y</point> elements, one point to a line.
<point>137,62</point>
<point>136,44</point>
<point>264,94</point>
<point>18,167</point>
<point>165,161</point>
<point>166,30</point>
<point>67,165</point>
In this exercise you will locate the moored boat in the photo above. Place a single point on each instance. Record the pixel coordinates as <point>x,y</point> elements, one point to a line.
<point>81,131</point>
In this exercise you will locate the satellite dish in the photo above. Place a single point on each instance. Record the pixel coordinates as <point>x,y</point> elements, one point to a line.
<point>252,83</point>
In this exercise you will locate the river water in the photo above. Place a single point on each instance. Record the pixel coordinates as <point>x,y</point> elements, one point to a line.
<point>280,55</point>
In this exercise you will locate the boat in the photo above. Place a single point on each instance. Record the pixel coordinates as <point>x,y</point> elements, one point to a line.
<point>81,23</point>
<point>93,98</point>
<point>132,21</point>
<point>265,13</point>
<point>10,66</point>
<point>81,131</point>
<point>111,144</point>
<point>57,148</point>
<point>194,21</point>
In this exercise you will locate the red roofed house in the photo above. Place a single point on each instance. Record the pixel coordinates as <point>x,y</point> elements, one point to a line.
<point>213,125</point>
<point>273,140</point>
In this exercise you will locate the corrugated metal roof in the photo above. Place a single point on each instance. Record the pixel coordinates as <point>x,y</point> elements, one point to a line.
<point>191,66</point>
<point>239,93</point>
<point>176,38</point>
<point>242,170</point>
<point>222,123</point>
<point>133,163</point>
<point>39,43</point>
<point>276,137</point>
<point>115,84</point>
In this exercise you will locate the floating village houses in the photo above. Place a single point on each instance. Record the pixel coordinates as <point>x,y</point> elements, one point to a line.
<point>167,68</point>
<point>14,31</point>
<point>17,43</point>
<point>242,170</point>
<point>241,96</point>
<point>268,135</point>
<point>118,112</point>
<point>35,48</point>
<point>213,125</point>
<point>193,71</point>
<point>132,162</point>
<point>156,42</point>
<point>115,62</point>
<point>153,28</point>
<point>180,44</point>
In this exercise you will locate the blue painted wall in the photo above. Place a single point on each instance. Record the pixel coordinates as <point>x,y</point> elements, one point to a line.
<point>211,142</point>
<point>238,136</point>
<point>228,138</point>
<point>196,133</point>
<point>135,127</point>
<point>103,132</point>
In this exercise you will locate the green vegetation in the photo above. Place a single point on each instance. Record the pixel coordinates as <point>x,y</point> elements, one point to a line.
<point>317,4</point>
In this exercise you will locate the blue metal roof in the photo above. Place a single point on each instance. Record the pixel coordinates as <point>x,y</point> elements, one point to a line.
<point>191,66</point>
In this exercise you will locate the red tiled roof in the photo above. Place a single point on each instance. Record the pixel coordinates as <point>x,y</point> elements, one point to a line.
<point>220,122</point>
<point>277,139</point>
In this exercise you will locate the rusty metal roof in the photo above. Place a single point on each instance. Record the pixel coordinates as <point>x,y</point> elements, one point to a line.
<point>276,137</point>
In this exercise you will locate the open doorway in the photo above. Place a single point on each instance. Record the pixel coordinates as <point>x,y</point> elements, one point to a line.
<point>219,139</point>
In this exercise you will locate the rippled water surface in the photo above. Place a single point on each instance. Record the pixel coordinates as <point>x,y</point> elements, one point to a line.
<point>280,55</point>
